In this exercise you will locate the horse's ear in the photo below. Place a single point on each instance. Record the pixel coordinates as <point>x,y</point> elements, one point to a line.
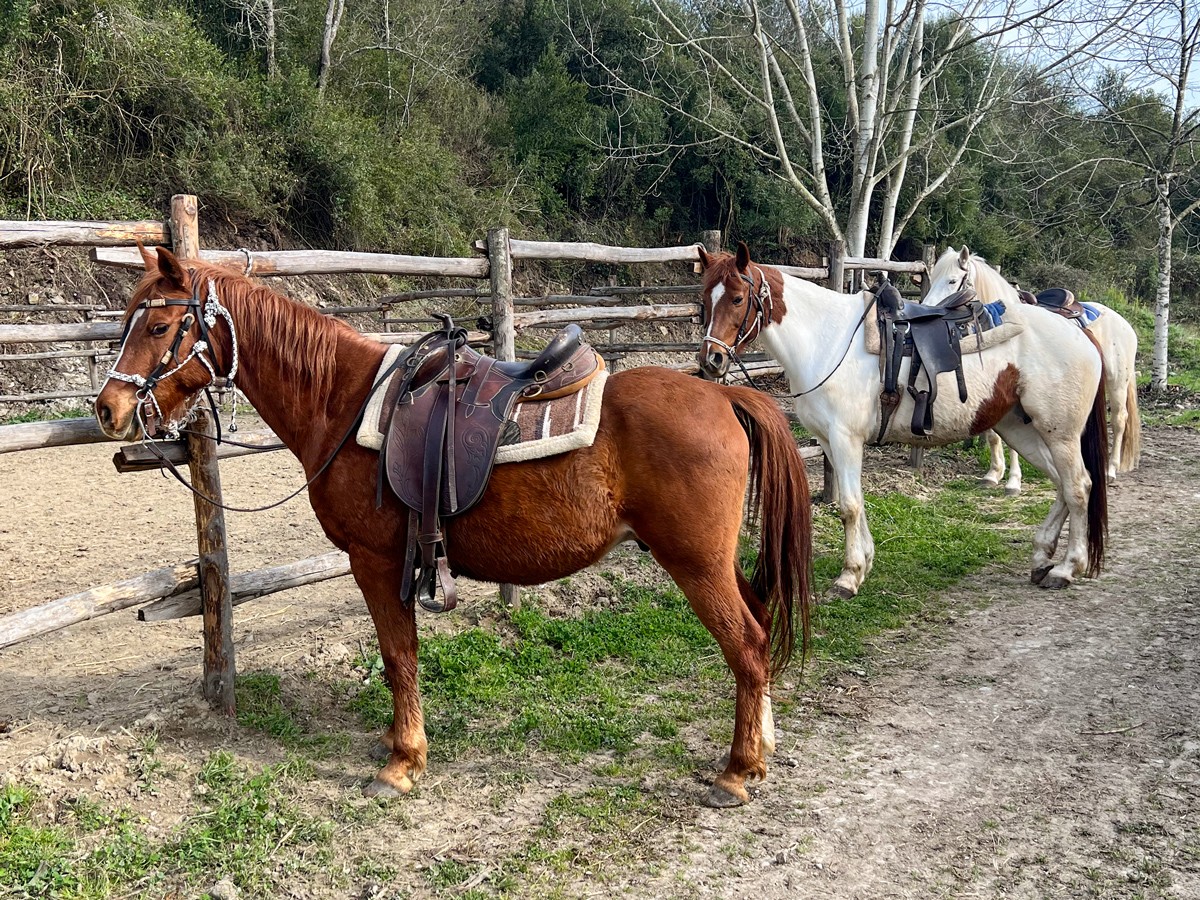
<point>149,260</point>
<point>964,256</point>
<point>171,270</point>
<point>743,256</point>
<point>705,259</point>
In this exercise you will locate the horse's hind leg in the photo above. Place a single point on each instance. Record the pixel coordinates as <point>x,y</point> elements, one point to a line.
<point>396,625</point>
<point>995,472</point>
<point>704,568</point>
<point>1012,487</point>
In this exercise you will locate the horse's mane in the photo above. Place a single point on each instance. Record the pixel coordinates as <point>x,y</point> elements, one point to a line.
<point>988,283</point>
<point>302,341</point>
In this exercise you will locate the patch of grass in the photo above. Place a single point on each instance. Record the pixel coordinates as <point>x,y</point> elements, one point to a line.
<point>47,415</point>
<point>261,706</point>
<point>570,686</point>
<point>247,831</point>
<point>920,548</point>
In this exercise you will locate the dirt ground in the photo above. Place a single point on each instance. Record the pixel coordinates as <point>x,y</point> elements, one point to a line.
<point>1020,744</point>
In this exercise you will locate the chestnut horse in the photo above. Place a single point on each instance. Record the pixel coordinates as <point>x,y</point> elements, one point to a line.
<point>668,468</point>
<point>1042,389</point>
<point>956,269</point>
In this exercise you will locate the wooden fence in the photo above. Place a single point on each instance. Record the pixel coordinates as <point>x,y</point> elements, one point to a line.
<point>204,585</point>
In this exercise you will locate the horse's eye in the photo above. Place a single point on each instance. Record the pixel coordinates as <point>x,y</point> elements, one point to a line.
<point>738,300</point>
<point>159,330</point>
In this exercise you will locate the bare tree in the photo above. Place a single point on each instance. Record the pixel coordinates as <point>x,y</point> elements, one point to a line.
<point>1150,99</point>
<point>865,111</point>
<point>333,21</point>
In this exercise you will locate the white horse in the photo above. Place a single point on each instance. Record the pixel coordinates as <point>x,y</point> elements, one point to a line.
<point>1116,338</point>
<point>1041,389</point>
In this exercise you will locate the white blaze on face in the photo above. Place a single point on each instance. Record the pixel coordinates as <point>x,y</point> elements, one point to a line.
<point>116,366</point>
<point>715,296</point>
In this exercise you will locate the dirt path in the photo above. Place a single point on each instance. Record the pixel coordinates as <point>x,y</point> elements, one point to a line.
<point>1038,745</point>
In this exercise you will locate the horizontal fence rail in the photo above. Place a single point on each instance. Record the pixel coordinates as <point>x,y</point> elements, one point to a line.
<point>15,233</point>
<point>318,262</point>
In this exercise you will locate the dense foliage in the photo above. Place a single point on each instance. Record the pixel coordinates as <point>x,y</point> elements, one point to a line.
<point>441,119</point>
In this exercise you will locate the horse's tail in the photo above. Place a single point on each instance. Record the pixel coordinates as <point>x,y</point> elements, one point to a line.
<point>779,501</point>
<point>1093,444</point>
<point>1129,454</point>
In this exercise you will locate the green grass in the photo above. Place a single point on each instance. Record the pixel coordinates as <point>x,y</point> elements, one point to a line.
<point>569,686</point>
<point>1183,342</point>
<point>920,549</point>
<point>47,415</point>
<point>247,830</point>
<point>261,706</point>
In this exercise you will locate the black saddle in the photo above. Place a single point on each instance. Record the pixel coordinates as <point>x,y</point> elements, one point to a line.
<point>930,336</point>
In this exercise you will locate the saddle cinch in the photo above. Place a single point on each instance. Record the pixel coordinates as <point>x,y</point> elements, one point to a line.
<point>445,419</point>
<point>930,336</point>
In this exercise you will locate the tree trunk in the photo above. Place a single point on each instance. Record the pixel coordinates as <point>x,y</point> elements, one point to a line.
<point>272,66</point>
<point>333,20</point>
<point>1162,294</point>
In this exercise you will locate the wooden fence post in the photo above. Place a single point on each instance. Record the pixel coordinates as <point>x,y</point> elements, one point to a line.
<point>219,666</point>
<point>504,332</point>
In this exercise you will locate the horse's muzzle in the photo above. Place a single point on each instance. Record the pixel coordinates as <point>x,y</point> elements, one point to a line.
<point>714,363</point>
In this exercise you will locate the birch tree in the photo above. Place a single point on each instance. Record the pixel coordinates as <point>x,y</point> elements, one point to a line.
<point>864,110</point>
<point>1150,101</point>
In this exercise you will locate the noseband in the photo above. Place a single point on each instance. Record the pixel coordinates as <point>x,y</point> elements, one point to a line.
<point>748,328</point>
<point>170,363</point>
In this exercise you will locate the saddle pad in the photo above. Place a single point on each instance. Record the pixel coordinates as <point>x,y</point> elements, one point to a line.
<point>548,427</point>
<point>1091,313</point>
<point>990,338</point>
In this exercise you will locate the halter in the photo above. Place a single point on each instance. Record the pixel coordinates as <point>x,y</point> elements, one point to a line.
<point>201,350</point>
<point>747,330</point>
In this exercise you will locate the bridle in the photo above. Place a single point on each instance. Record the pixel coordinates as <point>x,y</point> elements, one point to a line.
<point>748,329</point>
<point>762,308</point>
<point>169,363</point>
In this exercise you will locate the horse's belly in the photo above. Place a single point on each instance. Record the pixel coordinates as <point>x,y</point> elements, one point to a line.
<point>991,393</point>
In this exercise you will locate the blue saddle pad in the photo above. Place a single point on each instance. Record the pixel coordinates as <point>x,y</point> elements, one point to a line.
<point>995,312</point>
<point>1091,313</point>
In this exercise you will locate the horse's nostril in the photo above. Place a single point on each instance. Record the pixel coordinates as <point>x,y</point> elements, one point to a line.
<point>104,414</point>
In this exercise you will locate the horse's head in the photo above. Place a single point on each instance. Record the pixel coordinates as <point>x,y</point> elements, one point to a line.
<point>166,357</point>
<point>954,271</point>
<point>738,301</point>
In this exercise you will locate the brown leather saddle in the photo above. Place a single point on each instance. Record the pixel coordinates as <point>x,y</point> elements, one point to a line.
<point>444,419</point>
<point>930,336</point>
<point>1059,300</point>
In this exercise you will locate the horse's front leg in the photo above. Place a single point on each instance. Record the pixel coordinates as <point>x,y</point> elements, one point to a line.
<point>1012,487</point>
<point>379,579</point>
<point>845,455</point>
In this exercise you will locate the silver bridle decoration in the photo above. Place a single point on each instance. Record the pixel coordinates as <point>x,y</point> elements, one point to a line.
<point>200,350</point>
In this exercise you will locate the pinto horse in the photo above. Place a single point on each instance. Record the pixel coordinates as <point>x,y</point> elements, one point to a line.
<point>668,468</point>
<point>957,269</point>
<point>1041,389</point>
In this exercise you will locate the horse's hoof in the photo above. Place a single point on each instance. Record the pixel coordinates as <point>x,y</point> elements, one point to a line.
<point>988,483</point>
<point>838,592</point>
<point>719,798</point>
<point>1038,574</point>
<point>380,752</point>
<point>1012,492</point>
<point>1054,583</point>
<point>380,790</point>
